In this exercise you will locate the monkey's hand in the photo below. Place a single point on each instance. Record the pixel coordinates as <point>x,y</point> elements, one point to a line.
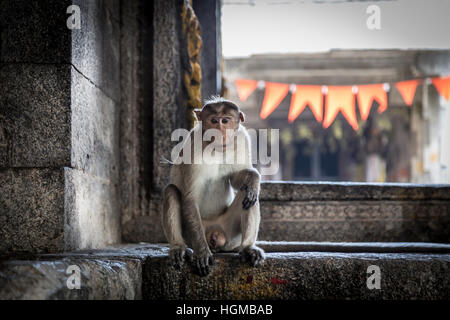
<point>253,255</point>
<point>177,256</point>
<point>251,196</point>
<point>202,262</point>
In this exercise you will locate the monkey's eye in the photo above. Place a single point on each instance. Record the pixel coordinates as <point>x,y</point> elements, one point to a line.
<point>214,121</point>
<point>224,121</point>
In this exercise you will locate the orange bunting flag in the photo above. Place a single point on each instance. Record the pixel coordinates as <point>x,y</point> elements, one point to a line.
<point>340,99</point>
<point>245,88</point>
<point>306,95</point>
<point>275,93</point>
<point>407,90</point>
<point>442,86</point>
<point>366,95</point>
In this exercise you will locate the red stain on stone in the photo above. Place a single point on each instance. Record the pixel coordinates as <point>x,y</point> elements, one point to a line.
<point>277,281</point>
<point>249,279</point>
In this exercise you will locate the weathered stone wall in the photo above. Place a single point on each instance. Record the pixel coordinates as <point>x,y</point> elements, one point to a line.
<point>59,122</point>
<point>133,197</point>
<point>141,197</point>
<point>85,117</point>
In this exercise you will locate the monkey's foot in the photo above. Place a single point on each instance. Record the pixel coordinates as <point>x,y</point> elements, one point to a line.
<point>177,256</point>
<point>252,255</point>
<point>202,263</point>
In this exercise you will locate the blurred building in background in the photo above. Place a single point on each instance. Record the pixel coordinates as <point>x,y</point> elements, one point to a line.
<point>402,144</point>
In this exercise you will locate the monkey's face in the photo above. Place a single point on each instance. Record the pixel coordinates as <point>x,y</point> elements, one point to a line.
<point>226,124</point>
<point>222,118</point>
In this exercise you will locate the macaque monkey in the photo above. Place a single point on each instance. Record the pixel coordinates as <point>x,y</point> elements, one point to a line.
<point>214,206</point>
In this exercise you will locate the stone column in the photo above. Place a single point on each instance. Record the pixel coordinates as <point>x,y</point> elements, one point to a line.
<point>160,109</point>
<point>59,127</point>
<point>208,14</point>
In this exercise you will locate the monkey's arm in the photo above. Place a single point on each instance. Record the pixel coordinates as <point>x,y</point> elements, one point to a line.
<point>247,180</point>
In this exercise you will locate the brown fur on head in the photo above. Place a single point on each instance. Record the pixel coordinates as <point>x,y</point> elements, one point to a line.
<point>221,114</point>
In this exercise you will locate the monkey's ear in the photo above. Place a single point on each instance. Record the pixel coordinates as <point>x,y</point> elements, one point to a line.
<point>198,113</point>
<point>242,116</point>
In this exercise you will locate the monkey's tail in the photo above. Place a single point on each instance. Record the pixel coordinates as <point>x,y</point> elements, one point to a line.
<point>165,160</point>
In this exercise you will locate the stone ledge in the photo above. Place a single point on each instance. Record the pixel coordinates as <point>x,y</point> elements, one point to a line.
<point>113,273</point>
<point>103,279</point>
<point>138,271</point>
<point>322,191</point>
<point>355,247</point>
<point>304,276</point>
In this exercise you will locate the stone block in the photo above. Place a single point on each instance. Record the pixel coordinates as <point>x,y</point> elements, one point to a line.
<point>51,210</point>
<point>321,191</point>
<point>95,130</point>
<point>35,115</point>
<point>92,217</point>
<point>29,35</point>
<point>355,220</point>
<point>303,276</point>
<point>35,31</point>
<point>59,109</point>
<point>101,279</point>
<point>96,46</point>
<point>47,120</point>
<point>31,210</point>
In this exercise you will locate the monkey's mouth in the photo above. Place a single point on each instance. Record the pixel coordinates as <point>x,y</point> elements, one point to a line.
<point>220,146</point>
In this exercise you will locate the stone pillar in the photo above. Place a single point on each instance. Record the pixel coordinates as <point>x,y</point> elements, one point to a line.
<point>161,110</point>
<point>59,126</point>
<point>208,13</point>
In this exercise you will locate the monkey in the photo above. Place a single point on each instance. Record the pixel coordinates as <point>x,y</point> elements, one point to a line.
<point>221,198</point>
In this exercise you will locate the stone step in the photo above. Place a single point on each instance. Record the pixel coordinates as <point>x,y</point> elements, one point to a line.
<point>352,212</point>
<point>335,211</point>
<point>305,270</point>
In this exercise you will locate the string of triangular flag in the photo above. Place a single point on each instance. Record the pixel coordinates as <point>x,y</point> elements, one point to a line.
<point>338,98</point>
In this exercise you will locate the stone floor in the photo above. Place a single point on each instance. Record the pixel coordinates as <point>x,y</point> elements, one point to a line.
<point>293,270</point>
